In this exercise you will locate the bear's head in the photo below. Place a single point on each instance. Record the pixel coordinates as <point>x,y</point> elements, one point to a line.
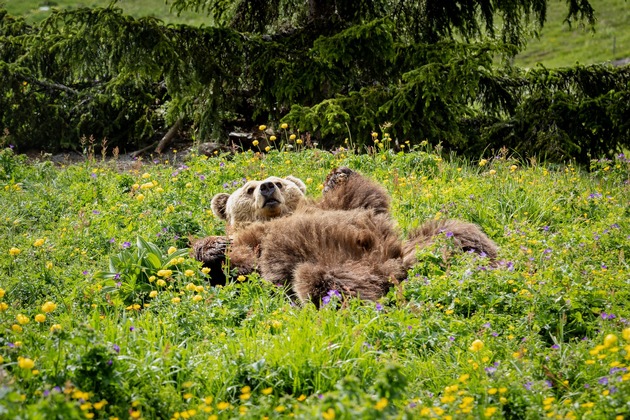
<point>259,201</point>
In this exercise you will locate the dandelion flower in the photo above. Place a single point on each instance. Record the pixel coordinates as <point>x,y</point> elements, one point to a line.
<point>610,340</point>
<point>272,138</point>
<point>171,250</point>
<point>262,127</point>
<point>255,143</point>
<point>55,328</point>
<point>140,197</point>
<point>292,137</point>
<point>2,292</point>
<point>625,334</point>
<point>381,404</point>
<point>240,278</point>
<point>3,306</point>
<point>40,318</point>
<point>189,273</point>
<point>197,298</point>
<point>25,363</point>
<point>267,391</point>
<point>298,141</point>
<point>284,126</point>
<point>153,294</point>
<point>49,306</point>
<point>14,251</point>
<point>16,328</point>
<point>39,242</point>
<point>483,162</point>
<point>476,345</point>
<point>176,300</point>
<point>205,270</point>
<point>22,319</point>
<point>160,283</point>
<point>164,273</point>
<point>329,414</point>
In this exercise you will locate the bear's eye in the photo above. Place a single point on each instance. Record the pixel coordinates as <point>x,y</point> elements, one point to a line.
<point>250,190</point>
<point>278,185</point>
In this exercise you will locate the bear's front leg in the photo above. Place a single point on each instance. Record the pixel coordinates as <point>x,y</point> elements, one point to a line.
<point>345,189</point>
<point>211,251</point>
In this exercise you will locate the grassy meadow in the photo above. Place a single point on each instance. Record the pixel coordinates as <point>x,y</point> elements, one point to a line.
<point>103,314</point>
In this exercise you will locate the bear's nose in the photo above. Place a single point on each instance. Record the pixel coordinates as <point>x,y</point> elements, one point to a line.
<point>267,189</point>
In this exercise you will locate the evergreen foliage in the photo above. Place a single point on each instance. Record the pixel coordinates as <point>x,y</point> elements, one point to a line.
<point>333,68</point>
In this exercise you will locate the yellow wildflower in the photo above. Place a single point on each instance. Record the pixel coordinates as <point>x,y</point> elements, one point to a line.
<point>25,363</point>
<point>49,306</point>
<point>267,391</point>
<point>171,250</point>
<point>610,340</point>
<point>329,414</point>
<point>483,162</point>
<point>40,318</point>
<point>476,345</point>
<point>189,273</point>
<point>284,126</point>
<point>262,127</point>
<point>489,412</point>
<point>381,404</point>
<point>14,251</point>
<point>22,319</point>
<point>55,328</point>
<point>165,273</point>
<point>39,242</point>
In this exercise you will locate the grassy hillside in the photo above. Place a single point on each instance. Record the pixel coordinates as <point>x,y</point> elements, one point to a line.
<point>544,334</point>
<point>558,45</point>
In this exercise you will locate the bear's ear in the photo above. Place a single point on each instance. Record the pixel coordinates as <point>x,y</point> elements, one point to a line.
<point>297,181</point>
<point>218,205</point>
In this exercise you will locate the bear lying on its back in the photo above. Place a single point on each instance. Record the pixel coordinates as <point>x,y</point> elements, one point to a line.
<point>346,241</point>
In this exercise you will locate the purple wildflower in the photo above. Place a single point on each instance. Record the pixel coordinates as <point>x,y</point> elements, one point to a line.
<point>449,234</point>
<point>116,348</point>
<point>126,244</point>
<point>379,307</point>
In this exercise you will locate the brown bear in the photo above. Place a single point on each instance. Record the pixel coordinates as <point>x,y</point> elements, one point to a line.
<point>345,241</point>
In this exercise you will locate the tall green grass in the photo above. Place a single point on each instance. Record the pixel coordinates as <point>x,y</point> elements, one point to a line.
<point>544,334</point>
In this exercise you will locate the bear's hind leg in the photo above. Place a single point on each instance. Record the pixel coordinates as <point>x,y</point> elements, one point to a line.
<point>313,282</point>
<point>345,189</point>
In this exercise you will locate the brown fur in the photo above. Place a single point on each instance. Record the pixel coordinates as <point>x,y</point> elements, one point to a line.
<point>346,241</point>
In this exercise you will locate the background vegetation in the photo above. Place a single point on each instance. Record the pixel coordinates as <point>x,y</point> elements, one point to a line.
<point>545,334</point>
<point>332,70</point>
<point>559,44</point>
